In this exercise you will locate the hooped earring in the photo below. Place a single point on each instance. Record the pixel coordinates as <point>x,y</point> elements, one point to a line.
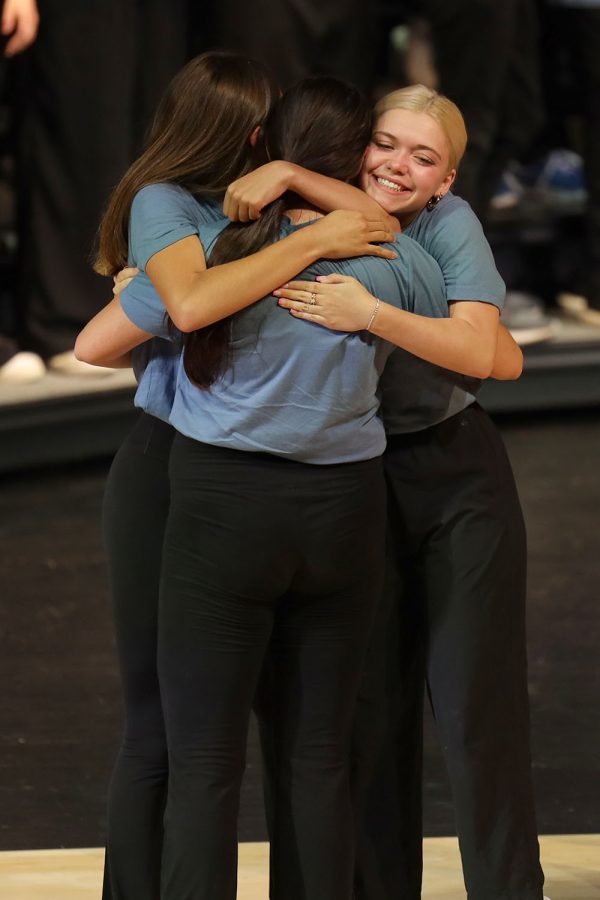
<point>433,201</point>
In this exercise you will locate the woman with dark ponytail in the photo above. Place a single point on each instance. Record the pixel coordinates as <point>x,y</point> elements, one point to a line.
<point>275,534</point>
<point>206,132</point>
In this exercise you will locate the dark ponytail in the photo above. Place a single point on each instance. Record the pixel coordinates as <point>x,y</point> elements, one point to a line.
<point>322,124</point>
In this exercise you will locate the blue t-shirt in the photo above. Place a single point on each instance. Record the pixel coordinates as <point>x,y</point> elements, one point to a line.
<point>415,394</point>
<point>161,215</point>
<point>296,389</point>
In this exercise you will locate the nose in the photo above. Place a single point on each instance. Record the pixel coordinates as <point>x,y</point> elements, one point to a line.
<point>398,162</point>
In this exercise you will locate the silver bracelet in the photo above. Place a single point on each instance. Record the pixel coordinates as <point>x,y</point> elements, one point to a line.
<point>375,311</point>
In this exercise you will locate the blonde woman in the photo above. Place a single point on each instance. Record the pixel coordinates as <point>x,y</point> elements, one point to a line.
<point>457,592</point>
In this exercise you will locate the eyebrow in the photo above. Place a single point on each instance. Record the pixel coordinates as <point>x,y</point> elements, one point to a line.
<point>393,138</point>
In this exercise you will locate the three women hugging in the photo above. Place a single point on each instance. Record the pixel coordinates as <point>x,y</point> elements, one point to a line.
<point>312,516</point>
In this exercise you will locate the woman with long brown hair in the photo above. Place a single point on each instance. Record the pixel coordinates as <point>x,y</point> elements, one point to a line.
<point>205,133</point>
<point>282,430</point>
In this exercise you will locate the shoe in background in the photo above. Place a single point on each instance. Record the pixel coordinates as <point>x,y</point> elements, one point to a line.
<point>577,307</point>
<point>67,364</point>
<point>525,317</point>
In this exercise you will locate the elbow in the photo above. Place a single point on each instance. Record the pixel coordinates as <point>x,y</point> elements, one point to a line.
<point>512,370</point>
<point>516,371</point>
<point>184,321</point>
<point>83,351</point>
<point>88,350</point>
<point>483,368</point>
<point>186,317</point>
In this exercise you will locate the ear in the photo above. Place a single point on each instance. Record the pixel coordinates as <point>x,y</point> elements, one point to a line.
<point>446,183</point>
<point>253,138</point>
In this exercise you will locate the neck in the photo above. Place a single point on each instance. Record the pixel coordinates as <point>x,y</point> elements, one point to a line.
<point>407,218</point>
<point>301,213</point>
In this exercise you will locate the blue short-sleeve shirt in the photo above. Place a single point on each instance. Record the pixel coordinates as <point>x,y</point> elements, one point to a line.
<point>296,389</point>
<point>415,394</point>
<point>161,215</point>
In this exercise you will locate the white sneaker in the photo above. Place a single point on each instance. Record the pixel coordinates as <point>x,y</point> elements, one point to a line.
<point>525,317</point>
<point>67,364</point>
<point>577,307</point>
<point>22,368</point>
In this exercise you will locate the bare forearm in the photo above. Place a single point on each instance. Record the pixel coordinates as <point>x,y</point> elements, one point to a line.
<point>216,293</point>
<point>451,343</point>
<point>108,339</point>
<point>329,194</point>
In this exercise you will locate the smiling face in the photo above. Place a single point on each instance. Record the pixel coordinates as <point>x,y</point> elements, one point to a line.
<point>407,163</point>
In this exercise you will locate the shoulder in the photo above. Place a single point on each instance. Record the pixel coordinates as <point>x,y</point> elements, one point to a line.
<point>161,214</point>
<point>165,199</point>
<point>452,220</point>
<point>155,197</point>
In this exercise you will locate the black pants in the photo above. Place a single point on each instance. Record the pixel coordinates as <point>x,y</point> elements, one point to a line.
<point>456,597</point>
<point>312,37</point>
<point>136,504</point>
<point>71,100</point>
<point>487,58</point>
<point>259,549</point>
<point>576,35</point>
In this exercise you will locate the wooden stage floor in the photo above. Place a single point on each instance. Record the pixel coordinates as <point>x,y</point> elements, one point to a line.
<point>571,864</point>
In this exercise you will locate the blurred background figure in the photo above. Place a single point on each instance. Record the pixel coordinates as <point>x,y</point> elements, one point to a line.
<point>81,99</point>
<point>297,38</point>
<point>574,36</point>
<point>486,57</point>
<point>80,94</point>
<point>18,26</point>
<point>532,163</point>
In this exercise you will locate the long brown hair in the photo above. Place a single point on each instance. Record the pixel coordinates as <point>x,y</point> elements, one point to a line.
<point>199,140</point>
<point>320,123</point>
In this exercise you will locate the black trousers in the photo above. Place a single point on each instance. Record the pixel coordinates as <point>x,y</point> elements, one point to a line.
<point>260,552</point>
<point>453,618</point>
<point>81,121</point>
<point>487,58</point>
<point>136,505</point>
<point>303,37</point>
<point>577,42</point>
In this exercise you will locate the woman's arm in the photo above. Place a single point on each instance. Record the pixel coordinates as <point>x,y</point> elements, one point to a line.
<point>195,296</point>
<point>508,362</point>
<point>466,342</point>
<point>108,338</point>
<point>247,197</point>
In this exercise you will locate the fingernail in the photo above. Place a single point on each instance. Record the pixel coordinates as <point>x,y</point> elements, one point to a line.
<point>320,277</point>
<point>277,293</point>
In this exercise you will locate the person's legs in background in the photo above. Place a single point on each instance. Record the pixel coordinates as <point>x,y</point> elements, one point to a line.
<point>87,77</point>
<point>582,25</point>
<point>309,37</point>
<point>487,60</point>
